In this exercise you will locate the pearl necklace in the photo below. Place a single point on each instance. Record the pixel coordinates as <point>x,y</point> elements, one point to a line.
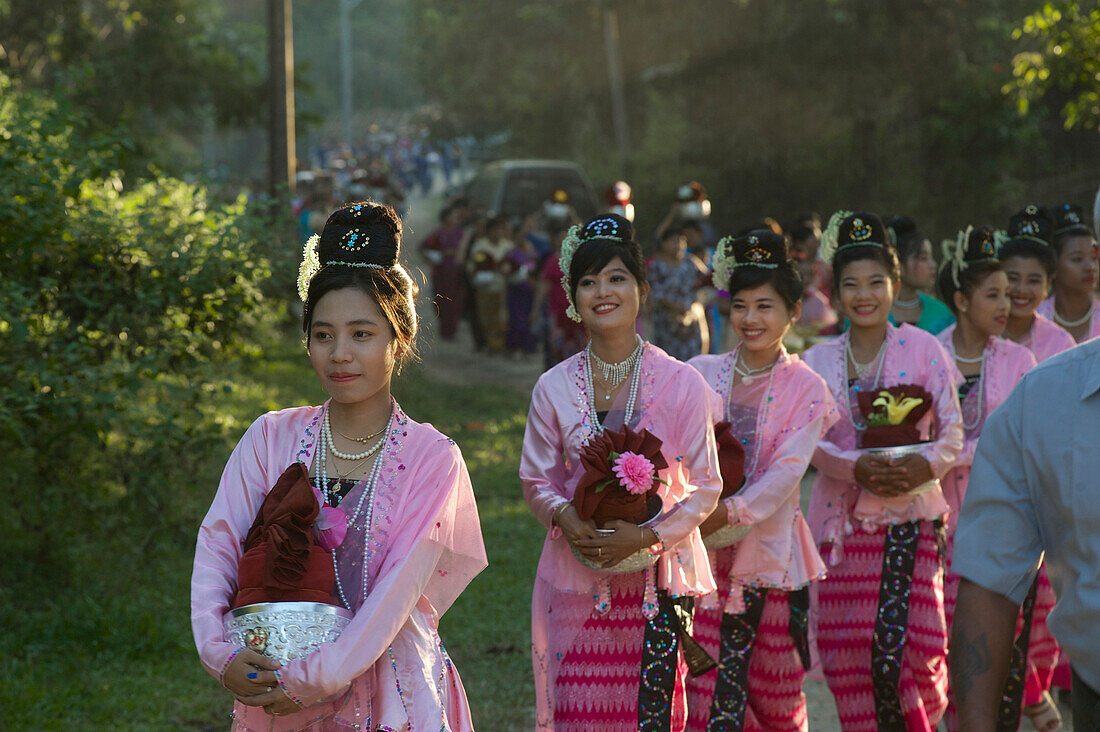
<point>615,373</point>
<point>860,368</point>
<point>368,491</point>
<point>762,418</point>
<point>907,304</point>
<point>327,429</point>
<point>1073,323</point>
<point>981,386</point>
<point>742,369</point>
<point>597,426</point>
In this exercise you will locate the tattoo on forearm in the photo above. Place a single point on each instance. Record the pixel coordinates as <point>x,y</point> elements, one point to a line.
<point>972,660</point>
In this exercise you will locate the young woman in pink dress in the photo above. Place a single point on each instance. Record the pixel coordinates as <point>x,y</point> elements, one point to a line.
<point>1029,264</point>
<point>1073,304</point>
<point>413,541</point>
<point>607,646</point>
<point>881,632</point>
<point>778,407</point>
<point>973,283</point>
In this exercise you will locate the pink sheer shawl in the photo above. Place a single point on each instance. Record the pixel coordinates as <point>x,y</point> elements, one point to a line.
<point>425,546</point>
<point>912,356</point>
<point>779,551</point>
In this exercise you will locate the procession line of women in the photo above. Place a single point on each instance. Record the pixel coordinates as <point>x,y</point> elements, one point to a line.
<point>866,573</point>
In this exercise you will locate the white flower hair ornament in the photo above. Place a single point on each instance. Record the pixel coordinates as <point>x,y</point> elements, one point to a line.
<point>723,263</point>
<point>310,265</point>
<point>831,234</point>
<point>565,259</point>
<point>954,253</point>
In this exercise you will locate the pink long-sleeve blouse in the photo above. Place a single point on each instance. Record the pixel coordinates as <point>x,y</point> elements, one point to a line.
<point>796,410</point>
<point>1046,338</point>
<point>1046,309</point>
<point>388,666</point>
<point>1005,364</point>
<point>676,405</point>
<point>912,357</point>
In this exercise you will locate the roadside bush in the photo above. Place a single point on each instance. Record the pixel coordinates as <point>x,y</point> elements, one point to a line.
<point>121,303</point>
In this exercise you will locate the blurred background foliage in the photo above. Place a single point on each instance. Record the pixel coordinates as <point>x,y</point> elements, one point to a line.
<point>787,105</point>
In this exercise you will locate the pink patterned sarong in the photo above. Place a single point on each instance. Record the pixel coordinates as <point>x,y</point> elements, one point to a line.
<point>598,680</point>
<point>773,698</point>
<point>847,611</point>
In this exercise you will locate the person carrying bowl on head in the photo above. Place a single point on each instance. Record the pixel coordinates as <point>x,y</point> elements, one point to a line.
<point>396,536</point>
<point>775,410</point>
<point>619,464</point>
<point>877,509</point>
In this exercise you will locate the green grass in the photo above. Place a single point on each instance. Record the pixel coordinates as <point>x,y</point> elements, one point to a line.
<point>114,649</point>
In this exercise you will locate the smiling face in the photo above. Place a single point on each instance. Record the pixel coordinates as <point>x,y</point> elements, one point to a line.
<point>351,346</point>
<point>988,305</point>
<point>611,298</point>
<point>760,318</point>
<point>1027,285</point>
<point>1077,265</point>
<point>866,293</point>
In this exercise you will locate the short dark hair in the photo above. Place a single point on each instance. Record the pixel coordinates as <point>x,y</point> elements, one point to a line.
<point>885,255</point>
<point>593,255</point>
<point>969,280</point>
<point>785,279</point>
<point>1030,248</point>
<point>381,277</point>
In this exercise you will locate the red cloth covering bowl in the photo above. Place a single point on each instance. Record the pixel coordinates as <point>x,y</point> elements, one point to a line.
<point>731,459</point>
<point>614,501</point>
<point>282,561</point>
<point>893,435</point>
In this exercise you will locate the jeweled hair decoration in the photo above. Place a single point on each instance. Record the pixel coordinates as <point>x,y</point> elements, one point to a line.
<point>311,264</point>
<point>311,261</point>
<point>354,239</point>
<point>725,261</point>
<point>954,252</point>
<point>565,259</point>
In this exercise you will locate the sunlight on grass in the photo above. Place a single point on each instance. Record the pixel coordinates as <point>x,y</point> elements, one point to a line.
<point>115,651</point>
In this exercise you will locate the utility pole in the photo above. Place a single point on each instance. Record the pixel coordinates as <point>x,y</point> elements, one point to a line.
<point>346,6</point>
<point>280,66</point>
<point>615,81</point>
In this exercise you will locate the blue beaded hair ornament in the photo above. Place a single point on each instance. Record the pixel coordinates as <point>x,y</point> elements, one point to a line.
<point>601,227</point>
<point>353,243</point>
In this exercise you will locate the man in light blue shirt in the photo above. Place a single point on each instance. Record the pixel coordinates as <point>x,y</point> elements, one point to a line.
<point>1034,488</point>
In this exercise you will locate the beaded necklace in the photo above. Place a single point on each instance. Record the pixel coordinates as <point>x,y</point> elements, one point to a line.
<point>326,430</point>
<point>368,491</point>
<point>615,373</point>
<point>597,425</point>
<point>762,419</point>
<point>1073,323</point>
<point>860,369</point>
<point>981,383</point>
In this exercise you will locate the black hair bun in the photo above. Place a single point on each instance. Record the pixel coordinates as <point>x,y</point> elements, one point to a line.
<point>760,247</point>
<point>1069,218</point>
<point>361,234</point>
<point>1032,222</point>
<point>981,244</point>
<point>611,227</point>
<point>860,229</point>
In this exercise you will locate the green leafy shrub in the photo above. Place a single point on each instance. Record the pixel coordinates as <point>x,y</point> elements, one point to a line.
<point>119,304</point>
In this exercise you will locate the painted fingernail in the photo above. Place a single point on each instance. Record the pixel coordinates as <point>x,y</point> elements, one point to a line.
<point>253,675</point>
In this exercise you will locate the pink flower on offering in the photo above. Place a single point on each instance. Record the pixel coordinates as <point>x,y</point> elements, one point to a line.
<point>634,471</point>
<point>331,525</point>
